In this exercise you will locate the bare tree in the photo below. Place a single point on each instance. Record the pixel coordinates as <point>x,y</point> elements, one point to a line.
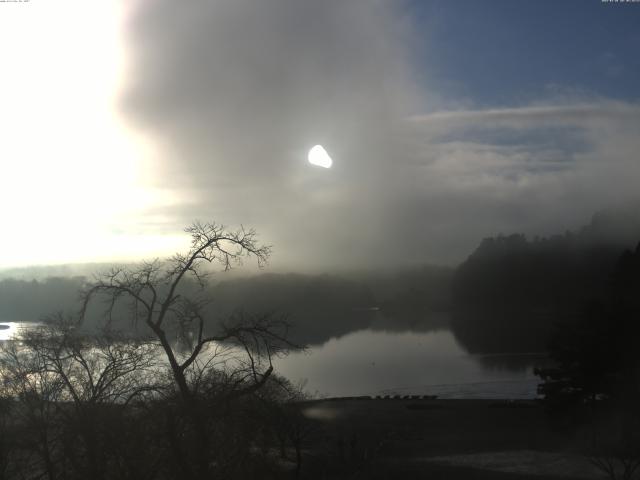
<point>71,386</point>
<point>196,347</point>
<point>615,441</point>
<point>24,379</point>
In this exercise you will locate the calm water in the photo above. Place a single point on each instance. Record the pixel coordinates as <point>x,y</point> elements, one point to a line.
<point>380,363</point>
<point>370,362</point>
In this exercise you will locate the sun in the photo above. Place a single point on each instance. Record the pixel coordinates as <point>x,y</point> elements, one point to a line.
<point>319,156</point>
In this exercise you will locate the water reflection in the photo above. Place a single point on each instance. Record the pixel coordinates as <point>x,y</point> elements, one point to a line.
<point>371,362</point>
<point>9,330</point>
<point>384,361</point>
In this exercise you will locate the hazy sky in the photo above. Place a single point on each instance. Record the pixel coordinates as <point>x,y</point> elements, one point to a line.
<point>121,122</point>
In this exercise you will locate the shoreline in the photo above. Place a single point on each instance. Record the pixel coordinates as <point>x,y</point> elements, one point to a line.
<point>445,438</point>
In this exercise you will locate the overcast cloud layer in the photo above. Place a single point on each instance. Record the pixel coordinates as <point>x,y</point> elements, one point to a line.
<point>235,92</point>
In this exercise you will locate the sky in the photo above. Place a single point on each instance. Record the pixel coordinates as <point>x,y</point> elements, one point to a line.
<point>122,122</point>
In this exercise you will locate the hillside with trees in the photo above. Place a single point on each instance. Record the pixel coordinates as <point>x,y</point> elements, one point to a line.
<point>511,292</point>
<point>318,307</point>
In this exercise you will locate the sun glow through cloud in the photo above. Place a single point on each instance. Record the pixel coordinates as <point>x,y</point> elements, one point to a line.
<point>319,156</point>
<point>71,173</point>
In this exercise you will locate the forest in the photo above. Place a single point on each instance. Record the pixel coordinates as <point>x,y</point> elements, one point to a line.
<point>512,291</point>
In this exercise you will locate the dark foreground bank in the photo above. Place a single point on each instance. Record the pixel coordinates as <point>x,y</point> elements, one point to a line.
<point>448,439</point>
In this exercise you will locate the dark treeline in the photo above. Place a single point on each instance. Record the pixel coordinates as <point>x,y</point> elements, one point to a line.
<point>411,294</point>
<point>31,300</point>
<point>592,386</point>
<point>596,353</point>
<point>512,291</point>
<point>319,307</point>
<point>325,306</point>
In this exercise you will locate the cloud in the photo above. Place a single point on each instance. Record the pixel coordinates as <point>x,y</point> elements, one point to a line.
<point>534,169</point>
<point>235,92</point>
<point>597,112</point>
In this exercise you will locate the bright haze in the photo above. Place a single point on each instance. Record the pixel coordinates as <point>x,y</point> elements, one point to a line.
<point>122,122</point>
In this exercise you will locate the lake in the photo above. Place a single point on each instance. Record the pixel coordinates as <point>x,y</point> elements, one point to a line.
<point>379,362</point>
<point>373,363</point>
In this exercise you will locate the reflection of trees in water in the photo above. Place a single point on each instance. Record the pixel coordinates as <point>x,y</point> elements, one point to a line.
<point>500,331</point>
<point>418,322</point>
<point>511,362</point>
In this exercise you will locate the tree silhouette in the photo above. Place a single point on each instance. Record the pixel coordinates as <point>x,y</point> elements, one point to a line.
<point>68,390</point>
<point>208,368</point>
